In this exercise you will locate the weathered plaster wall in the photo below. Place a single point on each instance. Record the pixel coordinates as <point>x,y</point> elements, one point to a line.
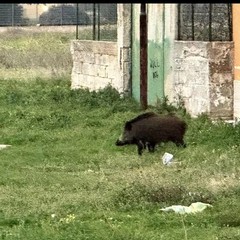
<point>203,77</point>
<point>95,65</point>
<point>170,32</point>
<point>221,79</point>
<point>191,79</point>
<point>135,52</point>
<point>124,42</point>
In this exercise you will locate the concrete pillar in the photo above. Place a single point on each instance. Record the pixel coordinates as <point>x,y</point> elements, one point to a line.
<point>236,40</point>
<point>124,32</point>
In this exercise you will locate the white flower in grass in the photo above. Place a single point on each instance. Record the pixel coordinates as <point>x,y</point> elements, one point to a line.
<point>68,219</point>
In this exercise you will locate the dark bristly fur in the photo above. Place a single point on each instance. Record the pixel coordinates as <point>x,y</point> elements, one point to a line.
<point>149,129</point>
<point>128,124</point>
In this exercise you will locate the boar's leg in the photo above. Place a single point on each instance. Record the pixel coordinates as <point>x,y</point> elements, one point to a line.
<point>151,146</point>
<point>180,143</point>
<point>140,146</point>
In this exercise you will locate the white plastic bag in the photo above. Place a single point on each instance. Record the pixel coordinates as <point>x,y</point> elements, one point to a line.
<point>2,146</point>
<point>193,208</point>
<point>167,158</point>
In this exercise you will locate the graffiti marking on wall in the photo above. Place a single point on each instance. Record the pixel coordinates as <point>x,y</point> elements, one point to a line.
<point>154,65</point>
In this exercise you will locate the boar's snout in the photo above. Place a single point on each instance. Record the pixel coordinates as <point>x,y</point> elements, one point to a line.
<point>119,143</point>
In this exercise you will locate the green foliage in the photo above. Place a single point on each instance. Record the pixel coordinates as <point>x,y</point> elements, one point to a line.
<point>139,195</point>
<point>164,106</point>
<point>64,178</point>
<point>108,97</point>
<point>31,54</point>
<point>47,53</point>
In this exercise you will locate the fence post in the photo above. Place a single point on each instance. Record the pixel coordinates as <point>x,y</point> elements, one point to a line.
<point>98,23</point>
<point>77,23</point>
<point>179,21</point>
<point>193,34</point>
<point>12,15</point>
<point>61,23</point>
<point>143,56</point>
<point>37,18</point>
<point>94,21</point>
<point>210,22</point>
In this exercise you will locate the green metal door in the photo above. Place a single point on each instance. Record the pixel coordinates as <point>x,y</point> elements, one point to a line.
<point>155,53</point>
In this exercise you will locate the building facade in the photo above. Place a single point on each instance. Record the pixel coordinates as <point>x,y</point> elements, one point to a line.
<point>201,73</point>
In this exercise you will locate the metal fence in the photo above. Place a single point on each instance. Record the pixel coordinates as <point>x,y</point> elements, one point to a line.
<point>205,22</point>
<point>100,19</point>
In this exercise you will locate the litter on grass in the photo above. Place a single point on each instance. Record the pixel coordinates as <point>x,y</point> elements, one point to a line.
<point>167,158</point>
<point>2,146</point>
<point>193,208</point>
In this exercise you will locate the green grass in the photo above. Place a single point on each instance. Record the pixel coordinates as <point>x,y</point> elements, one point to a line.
<point>31,54</point>
<point>64,178</point>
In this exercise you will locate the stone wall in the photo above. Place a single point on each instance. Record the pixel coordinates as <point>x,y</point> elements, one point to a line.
<point>95,65</point>
<point>203,77</point>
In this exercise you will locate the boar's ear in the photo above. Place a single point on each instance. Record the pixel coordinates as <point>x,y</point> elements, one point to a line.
<point>128,126</point>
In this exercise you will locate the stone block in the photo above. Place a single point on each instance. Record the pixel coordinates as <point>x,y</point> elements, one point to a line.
<point>94,46</point>
<point>87,69</point>
<point>77,67</point>
<point>88,57</point>
<point>101,71</point>
<point>112,70</point>
<point>102,59</point>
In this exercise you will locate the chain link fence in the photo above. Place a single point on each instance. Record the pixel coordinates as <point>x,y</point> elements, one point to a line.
<point>92,21</point>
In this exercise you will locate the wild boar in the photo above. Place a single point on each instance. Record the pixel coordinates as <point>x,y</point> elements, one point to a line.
<point>149,129</point>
